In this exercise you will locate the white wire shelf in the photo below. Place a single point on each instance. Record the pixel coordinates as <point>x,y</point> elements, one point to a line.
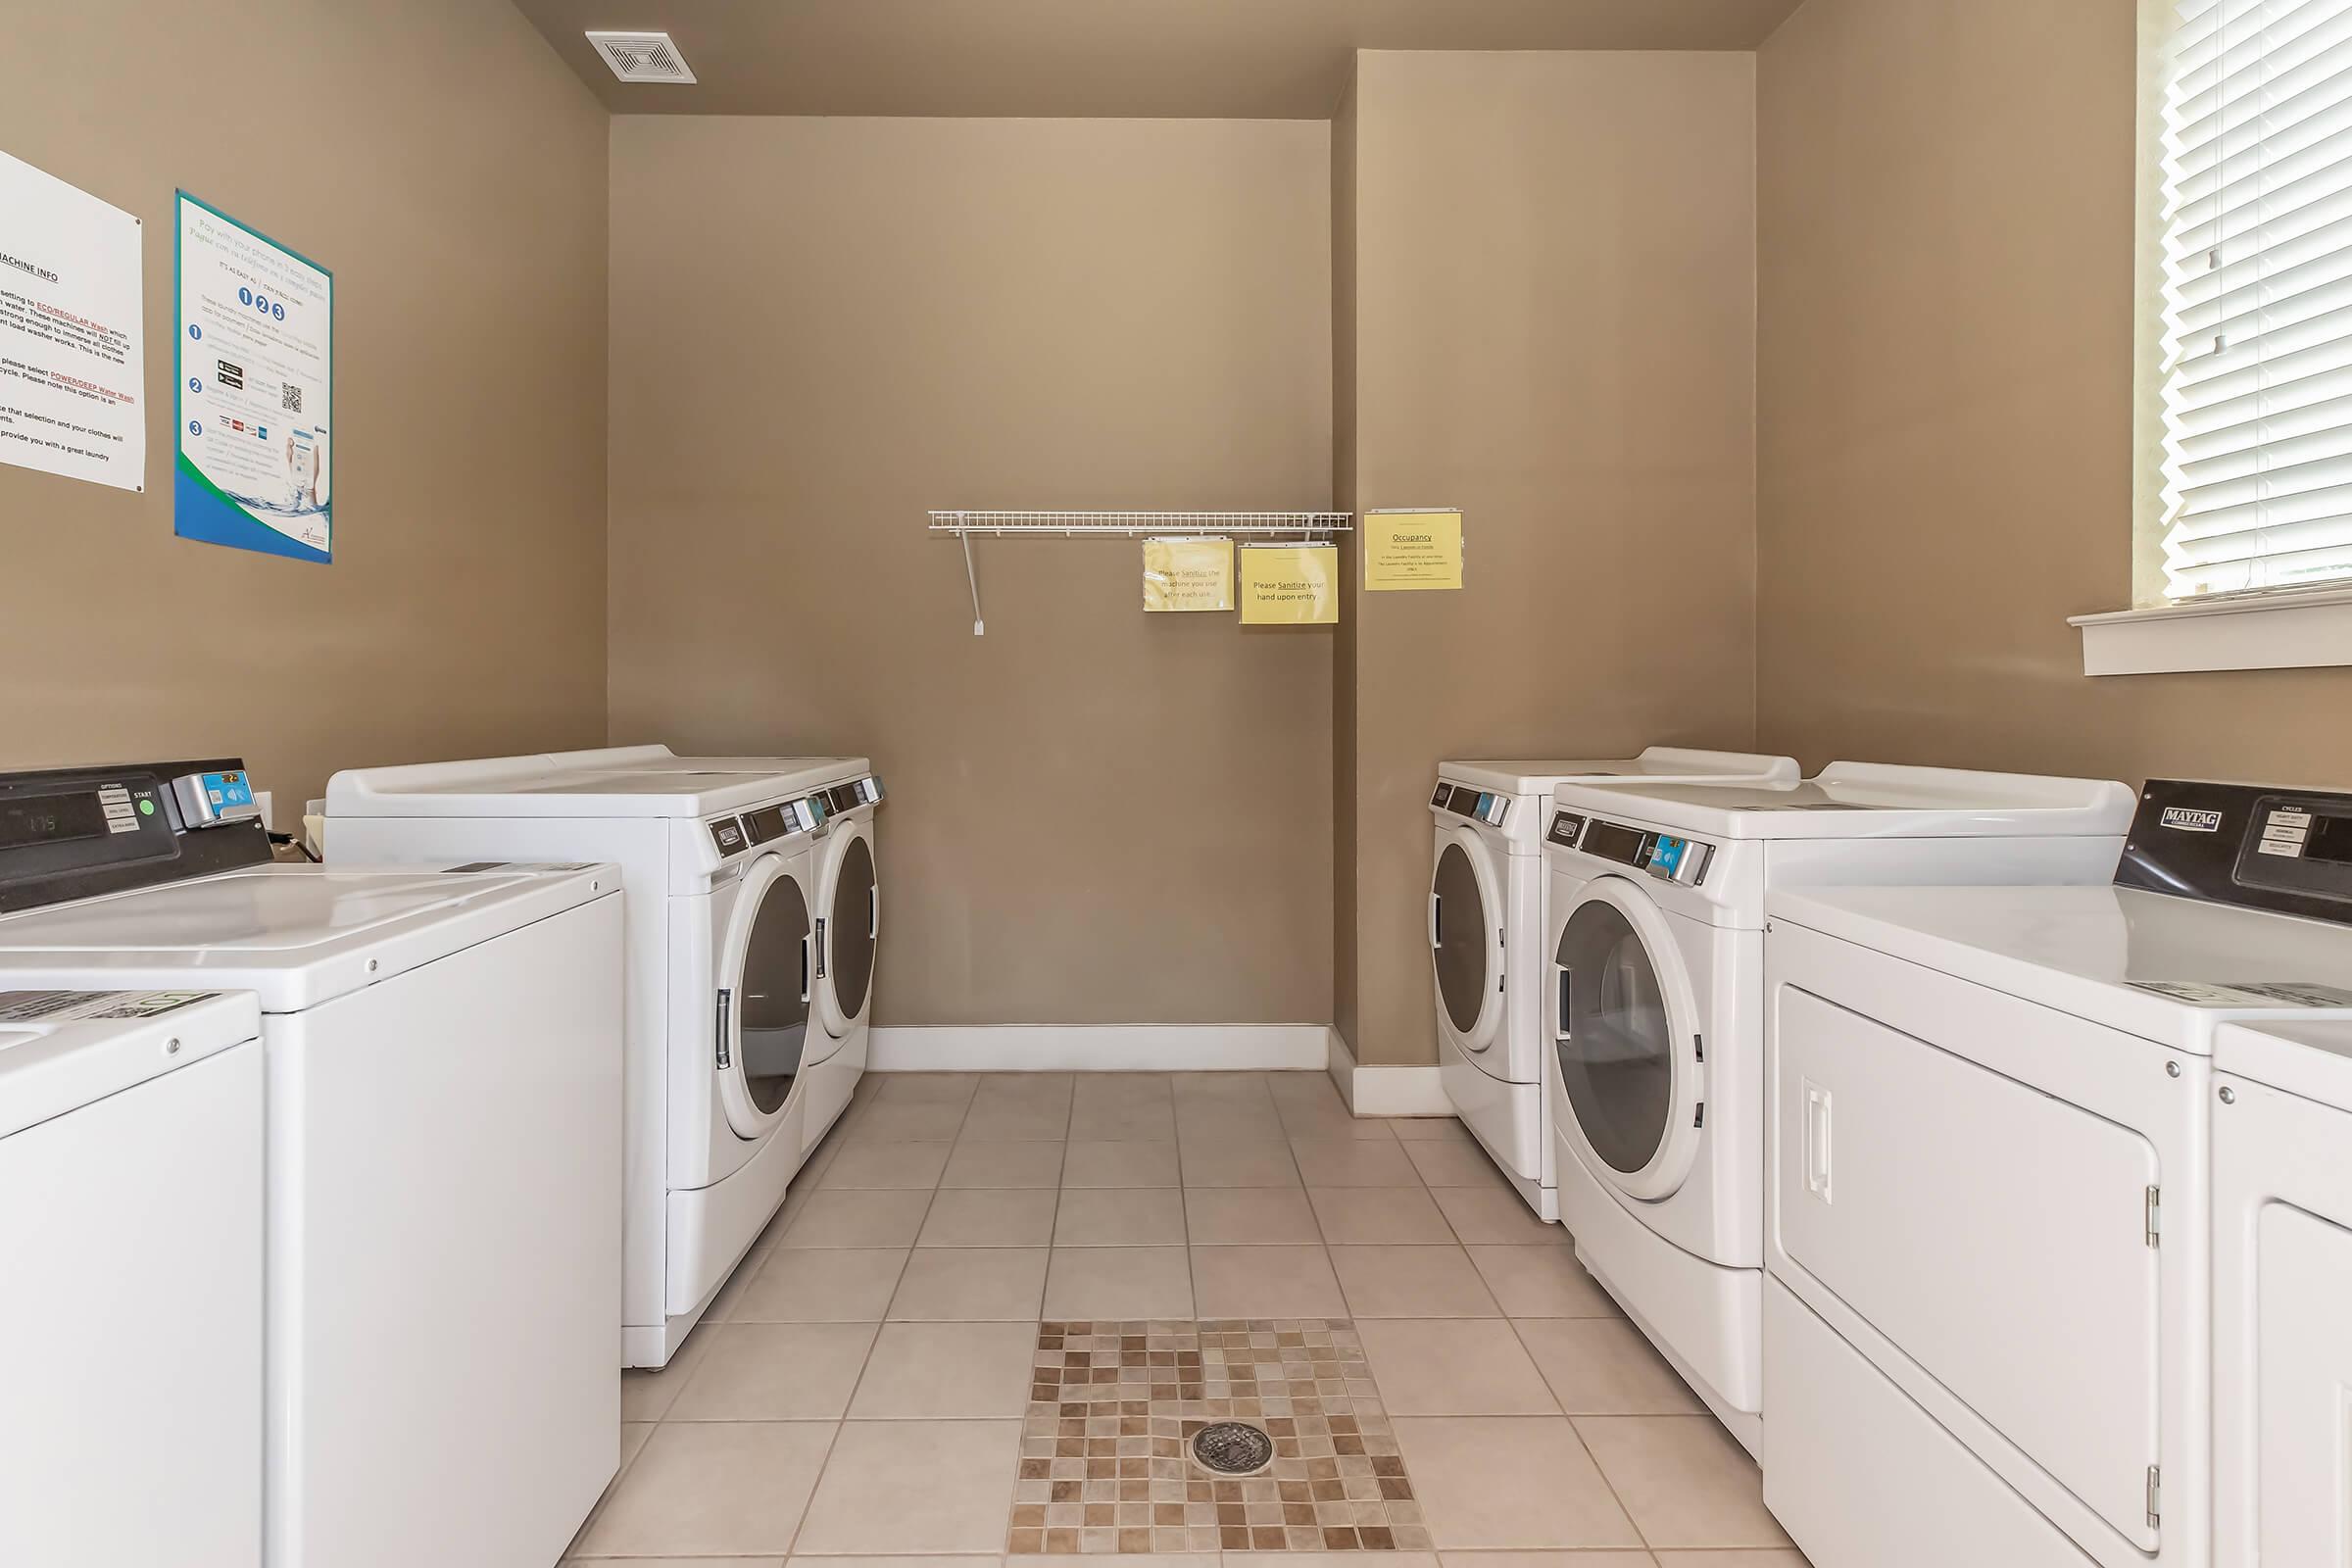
<point>1141,525</point>
<point>1302,525</point>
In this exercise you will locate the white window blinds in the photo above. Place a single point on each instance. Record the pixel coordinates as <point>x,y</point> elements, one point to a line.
<point>2256,205</point>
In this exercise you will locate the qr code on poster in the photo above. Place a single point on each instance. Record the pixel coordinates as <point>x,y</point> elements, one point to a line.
<point>293,398</point>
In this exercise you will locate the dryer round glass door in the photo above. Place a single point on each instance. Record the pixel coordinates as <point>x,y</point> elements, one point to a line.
<point>1465,946</point>
<point>1620,1010</point>
<point>852,927</point>
<point>763,1003</point>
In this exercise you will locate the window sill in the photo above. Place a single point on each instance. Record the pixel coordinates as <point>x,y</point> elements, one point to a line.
<point>2292,631</point>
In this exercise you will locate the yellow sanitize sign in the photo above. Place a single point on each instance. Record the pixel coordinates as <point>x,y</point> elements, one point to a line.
<point>1187,574</point>
<point>1413,550</point>
<point>1290,585</point>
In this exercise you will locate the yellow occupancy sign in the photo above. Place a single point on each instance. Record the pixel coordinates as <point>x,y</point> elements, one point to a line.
<point>1187,574</point>
<point>1413,550</point>
<point>1290,585</point>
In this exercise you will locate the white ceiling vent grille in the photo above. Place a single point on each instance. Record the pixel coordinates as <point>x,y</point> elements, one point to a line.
<point>642,56</point>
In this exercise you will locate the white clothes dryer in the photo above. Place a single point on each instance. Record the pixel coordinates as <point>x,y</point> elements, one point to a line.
<point>1486,877</point>
<point>1653,1007</point>
<point>1989,1234</point>
<point>130,1218</point>
<point>442,1174</point>
<point>2282,1272</point>
<point>754,913</point>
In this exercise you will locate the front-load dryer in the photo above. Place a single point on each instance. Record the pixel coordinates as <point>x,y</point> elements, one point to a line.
<point>1485,932</point>
<point>1653,1000</point>
<point>1996,1274</point>
<point>733,963</point>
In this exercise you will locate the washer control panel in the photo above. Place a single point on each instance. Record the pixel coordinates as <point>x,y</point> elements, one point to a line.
<point>1459,799</point>
<point>1668,857</point>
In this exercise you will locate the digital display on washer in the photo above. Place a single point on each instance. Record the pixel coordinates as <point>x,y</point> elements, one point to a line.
<point>1464,801</point>
<point>1613,840</point>
<point>2330,840</point>
<point>50,819</point>
<point>766,823</point>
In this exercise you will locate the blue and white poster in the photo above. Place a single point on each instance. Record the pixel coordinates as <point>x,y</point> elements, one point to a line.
<point>255,381</point>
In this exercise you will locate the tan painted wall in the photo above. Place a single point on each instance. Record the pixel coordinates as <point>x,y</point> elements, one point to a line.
<point>463,612</point>
<point>1554,275</point>
<point>1946,338</point>
<point>823,327</point>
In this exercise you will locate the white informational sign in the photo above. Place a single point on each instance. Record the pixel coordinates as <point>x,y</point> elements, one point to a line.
<point>73,366</point>
<point>255,378</point>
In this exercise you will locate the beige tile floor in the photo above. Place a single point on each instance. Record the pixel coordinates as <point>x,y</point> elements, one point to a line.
<point>854,1399</point>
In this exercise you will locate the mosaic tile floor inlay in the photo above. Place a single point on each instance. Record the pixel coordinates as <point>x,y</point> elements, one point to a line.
<point>1106,1463</point>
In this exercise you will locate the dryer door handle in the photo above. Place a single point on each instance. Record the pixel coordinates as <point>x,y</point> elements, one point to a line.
<point>819,938</point>
<point>805,960</point>
<point>1566,994</point>
<point>1437,921</point>
<point>726,1018</point>
<point>873,911</point>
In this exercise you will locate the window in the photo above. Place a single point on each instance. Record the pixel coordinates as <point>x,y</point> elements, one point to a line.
<point>2247,344</point>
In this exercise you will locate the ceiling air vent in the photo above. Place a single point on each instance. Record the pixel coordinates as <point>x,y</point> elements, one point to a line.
<point>642,56</point>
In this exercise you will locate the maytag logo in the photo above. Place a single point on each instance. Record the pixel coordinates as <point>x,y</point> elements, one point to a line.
<point>2185,820</point>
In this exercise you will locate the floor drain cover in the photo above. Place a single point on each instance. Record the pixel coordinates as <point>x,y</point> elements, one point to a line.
<point>1233,1449</point>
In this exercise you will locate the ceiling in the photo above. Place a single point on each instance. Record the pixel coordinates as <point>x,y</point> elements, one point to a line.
<point>1080,59</point>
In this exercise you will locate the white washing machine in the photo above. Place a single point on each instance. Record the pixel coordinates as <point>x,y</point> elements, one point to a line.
<point>1487,876</point>
<point>1989,1232</point>
<point>442,1171</point>
<point>130,1218</point>
<point>1654,998</point>
<point>754,915</point>
<point>2282,1272</point>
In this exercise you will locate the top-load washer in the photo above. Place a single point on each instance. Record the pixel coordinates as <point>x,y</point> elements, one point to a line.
<point>1486,933</point>
<point>130,1218</point>
<point>1653,1001</point>
<point>753,916</point>
<point>442,1057</point>
<point>1993,1264</point>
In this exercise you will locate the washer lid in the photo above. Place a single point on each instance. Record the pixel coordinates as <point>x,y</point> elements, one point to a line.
<point>62,1050</point>
<point>622,781</point>
<point>1655,763</point>
<point>1864,800</point>
<point>2165,968</point>
<point>2312,1058</point>
<point>297,935</point>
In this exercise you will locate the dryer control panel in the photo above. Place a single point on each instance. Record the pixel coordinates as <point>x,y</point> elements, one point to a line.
<point>733,834</point>
<point>1665,855</point>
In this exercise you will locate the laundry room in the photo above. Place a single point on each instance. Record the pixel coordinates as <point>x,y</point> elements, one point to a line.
<point>1501,783</point>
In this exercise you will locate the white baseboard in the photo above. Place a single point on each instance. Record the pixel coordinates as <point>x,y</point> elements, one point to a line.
<point>1387,1091</point>
<point>1101,1047</point>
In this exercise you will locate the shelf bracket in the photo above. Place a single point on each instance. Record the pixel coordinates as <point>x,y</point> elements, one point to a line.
<point>979,626</point>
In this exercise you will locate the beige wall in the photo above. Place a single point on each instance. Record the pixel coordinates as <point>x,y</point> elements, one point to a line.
<point>1946,336</point>
<point>823,327</point>
<point>1554,286</point>
<point>451,171</point>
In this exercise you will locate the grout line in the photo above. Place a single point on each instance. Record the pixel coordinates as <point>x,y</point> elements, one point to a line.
<point>833,1442</point>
